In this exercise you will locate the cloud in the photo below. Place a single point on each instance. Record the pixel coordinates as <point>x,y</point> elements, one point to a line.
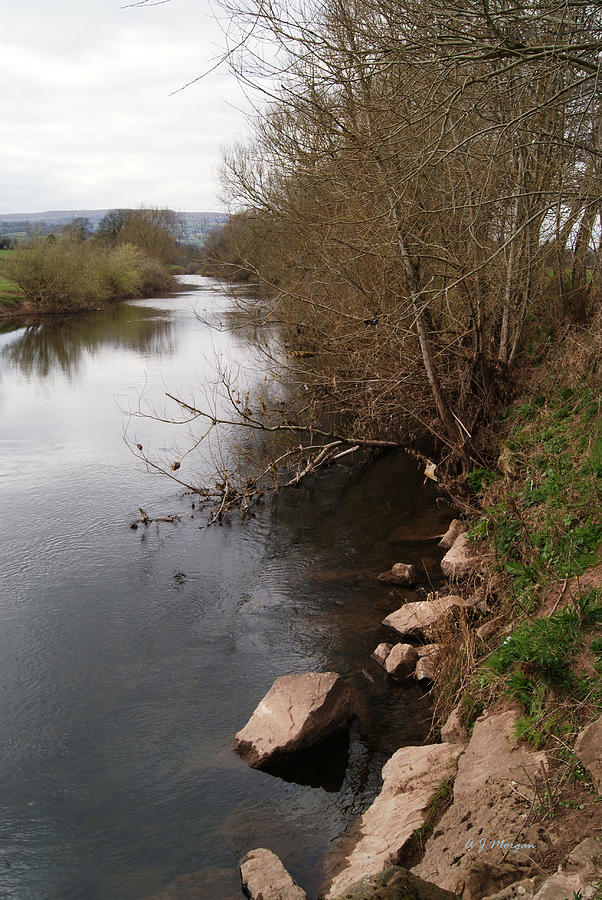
<point>86,112</point>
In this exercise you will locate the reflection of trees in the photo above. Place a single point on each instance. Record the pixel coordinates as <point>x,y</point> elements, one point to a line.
<point>60,343</point>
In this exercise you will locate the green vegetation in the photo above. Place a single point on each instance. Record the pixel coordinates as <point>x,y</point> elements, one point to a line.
<point>540,529</point>
<point>537,662</point>
<point>543,520</point>
<point>71,274</point>
<point>10,295</point>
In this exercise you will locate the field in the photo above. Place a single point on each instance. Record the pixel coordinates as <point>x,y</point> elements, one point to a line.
<point>10,295</point>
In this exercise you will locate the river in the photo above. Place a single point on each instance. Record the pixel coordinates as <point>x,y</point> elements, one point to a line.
<point>130,657</point>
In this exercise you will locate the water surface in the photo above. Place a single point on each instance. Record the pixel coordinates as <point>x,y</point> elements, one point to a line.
<point>129,658</point>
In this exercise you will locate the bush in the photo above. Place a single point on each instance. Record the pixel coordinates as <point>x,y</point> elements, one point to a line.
<point>64,274</point>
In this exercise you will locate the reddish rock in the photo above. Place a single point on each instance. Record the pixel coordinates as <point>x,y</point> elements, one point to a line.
<point>425,667</point>
<point>461,561</point>
<point>415,618</point>
<point>588,747</point>
<point>265,878</point>
<point>454,531</point>
<point>454,732</point>
<point>402,574</point>
<point>297,711</point>
<point>492,796</point>
<point>381,653</point>
<point>401,661</point>
<point>410,778</point>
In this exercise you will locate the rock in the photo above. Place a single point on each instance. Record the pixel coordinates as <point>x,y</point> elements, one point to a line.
<point>415,618</point>
<point>482,878</point>
<point>410,778</point>
<point>297,711</point>
<point>212,882</point>
<point>425,667</point>
<point>585,859</point>
<point>563,887</point>
<point>265,878</point>
<point>401,661</point>
<point>461,560</point>
<point>454,732</point>
<point>588,747</point>
<point>381,653</point>
<point>577,875</point>
<point>424,670</point>
<point>488,629</point>
<point>401,573</point>
<point>525,889</point>
<point>492,797</point>
<point>454,531</point>
<point>394,883</point>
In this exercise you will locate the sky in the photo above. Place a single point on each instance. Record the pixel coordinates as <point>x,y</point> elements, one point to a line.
<point>86,116</point>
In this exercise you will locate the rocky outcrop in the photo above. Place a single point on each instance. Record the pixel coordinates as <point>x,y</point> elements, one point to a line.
<point>487,821</point>
<point>588,747</point>
<point>461,560</point>
<point>381,653</point>
<point>265,878</point>
<point>297,711</point>
<point>401,574</point>
<point>416,618</point>
<point>401,661</point>
<point>453,532</point>
<point>410,778</point>
<point>394,883</point>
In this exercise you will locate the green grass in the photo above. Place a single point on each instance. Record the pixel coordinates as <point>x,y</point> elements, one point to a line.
<point>10,295</point>
<point>541,524</point>
<point>545,524</point>
<point>537,666</point>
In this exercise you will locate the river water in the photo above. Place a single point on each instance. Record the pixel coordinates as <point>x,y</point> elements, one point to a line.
<point>129,658</point>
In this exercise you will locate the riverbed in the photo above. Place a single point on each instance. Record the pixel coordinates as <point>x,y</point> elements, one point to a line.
<point>130,657</point>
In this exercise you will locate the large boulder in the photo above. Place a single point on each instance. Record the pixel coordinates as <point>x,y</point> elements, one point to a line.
<point>265,878</point>
<point>588,747</point>
<point>402,574</point>
<point>493,793</point>
<point>454,531</point>
<point>410,779</point>
<point>416,618</point>
<point>297,711</point>
<point>461,560</point>
<point>394,883</point>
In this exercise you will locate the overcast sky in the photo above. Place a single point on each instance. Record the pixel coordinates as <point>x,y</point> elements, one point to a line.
<point>86,115</point>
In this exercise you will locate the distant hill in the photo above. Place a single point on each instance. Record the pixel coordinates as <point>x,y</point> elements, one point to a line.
<point>17,225</point>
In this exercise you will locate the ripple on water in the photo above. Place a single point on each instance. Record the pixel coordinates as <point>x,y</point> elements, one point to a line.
<point>131,657</point>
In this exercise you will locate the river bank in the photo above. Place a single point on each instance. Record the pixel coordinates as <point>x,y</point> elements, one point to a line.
<point>22,312</point>
<point>504,798</point>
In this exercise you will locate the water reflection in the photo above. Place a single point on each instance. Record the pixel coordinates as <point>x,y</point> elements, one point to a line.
<point>62,342</point>
<point>128,664</point>
<point>322,766</point>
